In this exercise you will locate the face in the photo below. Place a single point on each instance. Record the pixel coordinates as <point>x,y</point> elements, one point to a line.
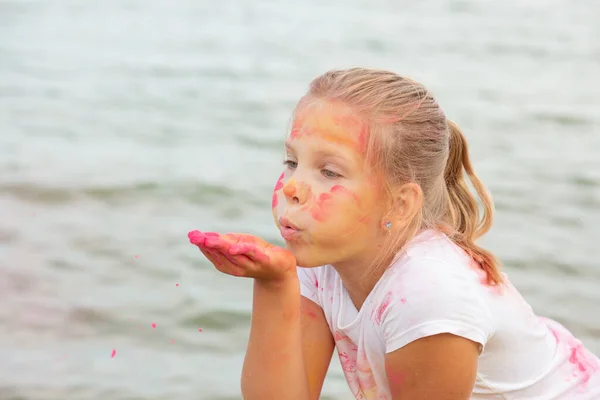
<point>325,203</point>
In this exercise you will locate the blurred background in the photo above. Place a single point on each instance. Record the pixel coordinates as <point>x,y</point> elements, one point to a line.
<point>125,124</point>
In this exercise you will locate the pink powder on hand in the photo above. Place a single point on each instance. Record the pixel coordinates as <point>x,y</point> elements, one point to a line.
<point>197,238</point>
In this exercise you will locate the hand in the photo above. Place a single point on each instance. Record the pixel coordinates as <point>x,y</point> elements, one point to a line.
<point>245,255</point>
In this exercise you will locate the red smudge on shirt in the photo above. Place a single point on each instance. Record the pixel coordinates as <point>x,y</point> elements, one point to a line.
<point>387,299</point>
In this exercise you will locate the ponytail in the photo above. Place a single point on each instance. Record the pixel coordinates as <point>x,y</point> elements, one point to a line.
<point>466,220</point>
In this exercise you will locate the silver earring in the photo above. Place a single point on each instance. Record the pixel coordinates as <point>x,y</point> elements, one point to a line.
<point>388,225</point>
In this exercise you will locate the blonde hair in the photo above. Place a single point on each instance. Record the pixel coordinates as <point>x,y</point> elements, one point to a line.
<point>411,140</point>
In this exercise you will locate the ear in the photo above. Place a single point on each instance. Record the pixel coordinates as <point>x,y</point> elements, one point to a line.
<point>407,203</point>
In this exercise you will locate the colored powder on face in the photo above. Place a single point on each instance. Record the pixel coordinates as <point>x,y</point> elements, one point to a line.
<point>337,127</point>
<point>289,189</point>
<point>278,186</point>
<point>320,210</point>
<point>339,189</point>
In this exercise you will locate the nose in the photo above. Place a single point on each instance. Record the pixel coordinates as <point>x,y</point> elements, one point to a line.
<point>296,192</point>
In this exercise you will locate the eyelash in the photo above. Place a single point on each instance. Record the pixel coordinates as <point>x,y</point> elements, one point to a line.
<point>325,172</point>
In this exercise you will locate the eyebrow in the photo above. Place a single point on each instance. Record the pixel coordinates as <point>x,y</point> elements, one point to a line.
<point>320,152</point>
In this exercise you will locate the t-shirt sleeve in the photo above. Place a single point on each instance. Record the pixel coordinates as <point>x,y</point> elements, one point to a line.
<point>309,283</point>
<point>430,299</point>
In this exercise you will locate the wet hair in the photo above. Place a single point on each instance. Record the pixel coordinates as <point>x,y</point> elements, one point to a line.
<point>410,140</point>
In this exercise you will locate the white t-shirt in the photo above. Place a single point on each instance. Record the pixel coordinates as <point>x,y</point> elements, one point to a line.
<point>434,288</point>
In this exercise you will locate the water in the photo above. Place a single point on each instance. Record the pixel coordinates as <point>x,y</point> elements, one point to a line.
<point>123,125</point>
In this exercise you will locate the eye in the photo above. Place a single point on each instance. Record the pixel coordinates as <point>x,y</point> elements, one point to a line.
<point>290,164</point>
<point>330,174</point>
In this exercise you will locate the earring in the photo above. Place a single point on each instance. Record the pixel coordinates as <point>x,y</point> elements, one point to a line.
<point>388,225</point>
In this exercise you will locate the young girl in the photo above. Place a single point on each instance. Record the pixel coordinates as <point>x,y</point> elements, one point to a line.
<point>375,210</point>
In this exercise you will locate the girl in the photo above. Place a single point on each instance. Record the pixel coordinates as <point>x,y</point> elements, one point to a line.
<point>381,264</point>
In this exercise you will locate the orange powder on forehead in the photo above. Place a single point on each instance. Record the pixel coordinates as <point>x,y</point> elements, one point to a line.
<point>335,126</point>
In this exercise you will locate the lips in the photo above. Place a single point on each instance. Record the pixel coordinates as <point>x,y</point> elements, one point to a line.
<point>288,230</point>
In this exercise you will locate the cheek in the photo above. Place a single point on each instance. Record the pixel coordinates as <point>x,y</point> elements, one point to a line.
<point>340,206</point>
<point>278,187</point>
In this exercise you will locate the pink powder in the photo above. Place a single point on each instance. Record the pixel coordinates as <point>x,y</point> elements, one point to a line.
<point>199,329</point>
<point>319,211</point>
<point>114,352</point>
<point>382,307</point>
<point>583,361</point>
<point>154,325</point>
<point>348,363</point>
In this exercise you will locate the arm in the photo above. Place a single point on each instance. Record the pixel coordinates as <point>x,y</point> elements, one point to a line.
<point>274,364</point>
<point>317,345</point>
<point>441,367</point>
<point>290,345</point>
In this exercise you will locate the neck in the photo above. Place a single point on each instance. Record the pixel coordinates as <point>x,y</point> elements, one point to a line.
<point>357,279</point>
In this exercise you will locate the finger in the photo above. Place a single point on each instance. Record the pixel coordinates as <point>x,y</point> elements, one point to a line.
<point>250,250</point>
<point>235,266</point>
<point>218,242</point>
<point>197,238</point>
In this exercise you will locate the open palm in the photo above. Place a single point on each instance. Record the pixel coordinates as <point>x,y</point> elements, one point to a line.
<point>240,254</point>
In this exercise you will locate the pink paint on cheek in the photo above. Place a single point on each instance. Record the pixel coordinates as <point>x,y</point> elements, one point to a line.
<point>320,210</point>
<point>278,186</point>
<point>279,183</point>
<point>339,189</point>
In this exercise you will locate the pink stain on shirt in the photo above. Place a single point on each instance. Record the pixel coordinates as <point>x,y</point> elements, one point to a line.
<point>387,299</point>
<point>583,361</point>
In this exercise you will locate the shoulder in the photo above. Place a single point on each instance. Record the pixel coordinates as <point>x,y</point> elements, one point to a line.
<point>315,280</point>
<point>432,289</point>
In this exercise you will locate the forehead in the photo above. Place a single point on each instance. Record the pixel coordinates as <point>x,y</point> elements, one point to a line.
<point>334,123</point>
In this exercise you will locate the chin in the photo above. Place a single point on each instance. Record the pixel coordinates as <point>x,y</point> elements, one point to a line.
<point>305,256</point>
